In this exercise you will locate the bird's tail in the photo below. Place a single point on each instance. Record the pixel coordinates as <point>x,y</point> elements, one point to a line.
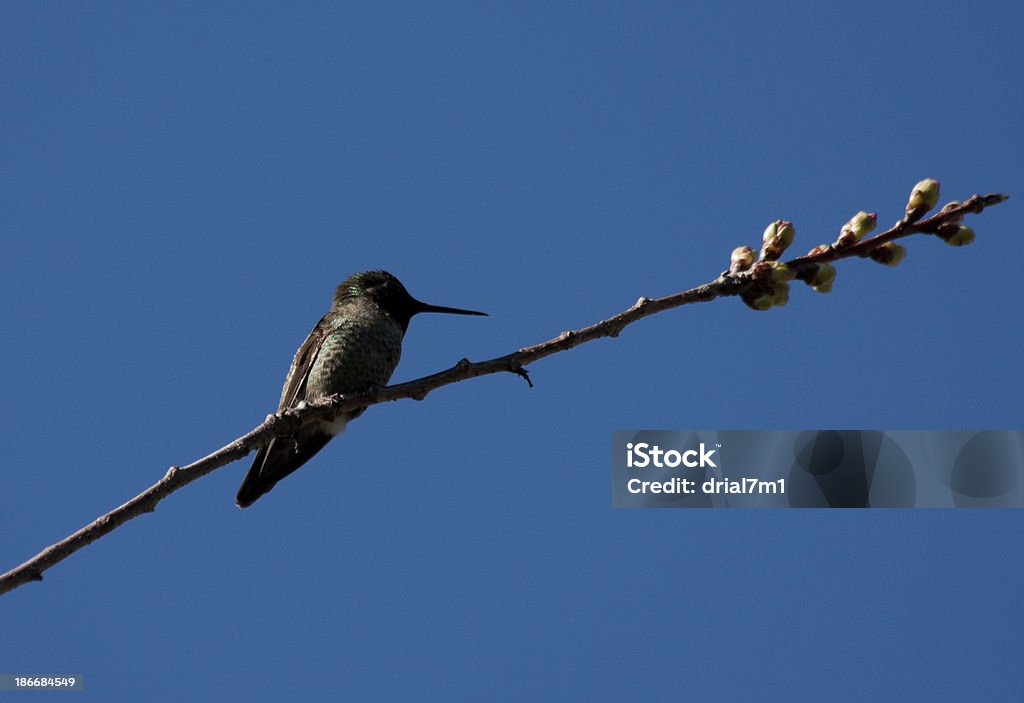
<point>275,461</point>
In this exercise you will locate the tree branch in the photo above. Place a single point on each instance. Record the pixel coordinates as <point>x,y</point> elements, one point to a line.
<point>761,283</point>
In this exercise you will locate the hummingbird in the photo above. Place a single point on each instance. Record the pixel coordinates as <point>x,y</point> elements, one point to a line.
<point>355,347</point>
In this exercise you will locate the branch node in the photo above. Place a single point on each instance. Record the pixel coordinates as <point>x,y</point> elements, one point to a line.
<point>522,373</point>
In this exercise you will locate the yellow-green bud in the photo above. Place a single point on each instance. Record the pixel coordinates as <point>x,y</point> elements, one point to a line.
<point>961,236</point>
<point>923,198</point>
<point>823,288</point>
<point>859,225</point>
<point>742,259</point>
<point>776,239</point>
<point>780,293</point>
<point>888,254</point>
<point>823,276</point>
<point>758,299</point>
<point>863,222</point>
<point>781,272</point>
<point>786,233</point>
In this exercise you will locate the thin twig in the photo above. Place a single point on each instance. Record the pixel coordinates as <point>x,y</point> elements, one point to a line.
<point>287,422</point>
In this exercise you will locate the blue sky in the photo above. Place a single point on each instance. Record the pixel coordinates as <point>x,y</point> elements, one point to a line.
<point>182,186</point>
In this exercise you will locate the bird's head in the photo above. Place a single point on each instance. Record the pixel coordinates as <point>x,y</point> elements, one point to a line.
<point>390,295</point>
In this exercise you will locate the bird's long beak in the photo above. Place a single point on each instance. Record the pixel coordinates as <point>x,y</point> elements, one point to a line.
<point>426,307</point>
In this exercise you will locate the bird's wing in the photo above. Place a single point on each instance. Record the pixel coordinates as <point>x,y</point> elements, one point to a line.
<point>280,457</point>
<point>298,374</point>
